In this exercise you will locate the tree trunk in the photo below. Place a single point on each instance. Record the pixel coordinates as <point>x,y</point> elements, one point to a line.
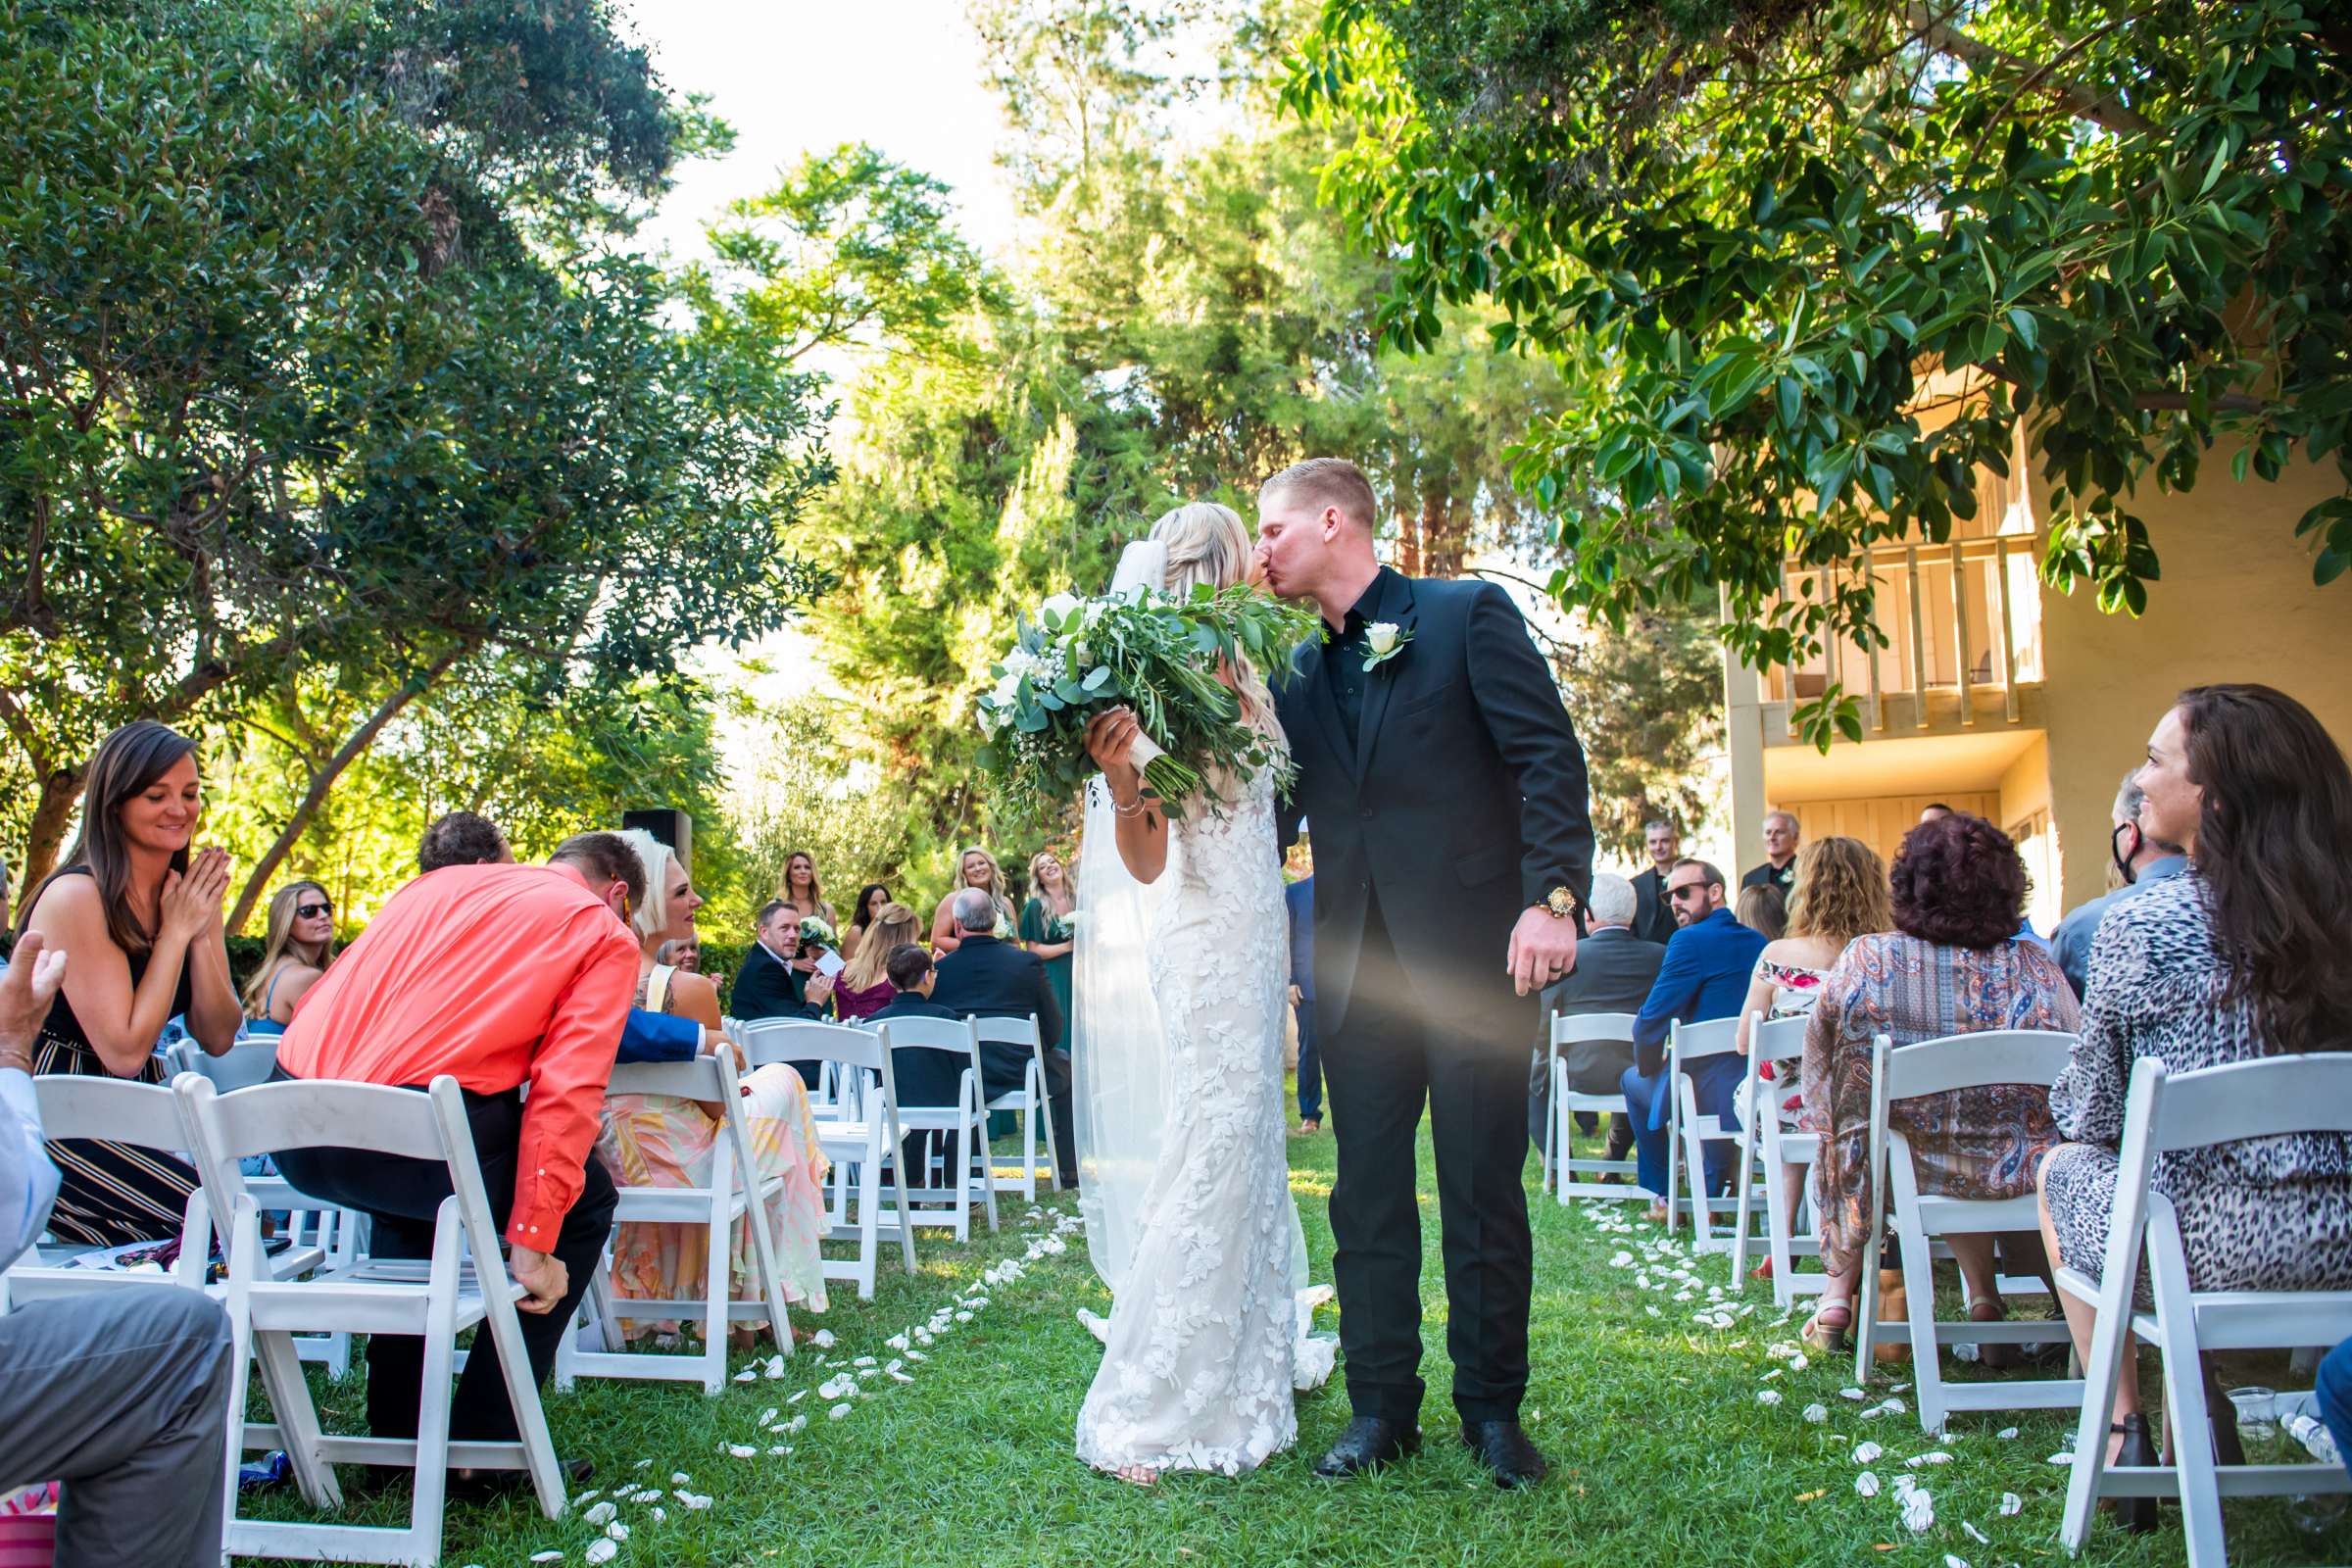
<point>324,778</point>
<point>60,789</point>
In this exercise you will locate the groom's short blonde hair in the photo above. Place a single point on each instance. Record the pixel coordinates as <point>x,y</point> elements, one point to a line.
<point>1329,482</point>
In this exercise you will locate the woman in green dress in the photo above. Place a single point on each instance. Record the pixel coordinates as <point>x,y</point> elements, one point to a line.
<point>1049,921</point>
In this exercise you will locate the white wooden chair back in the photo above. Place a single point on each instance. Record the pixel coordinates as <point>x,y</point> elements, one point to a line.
<point>244,1065</point>
<point>795,1041</point>
<point>968,1165</point>
<point>436,1302</point>
<point>2024,1057</point>
<point>1562,1170</point>
<point>1775,1149</point>
<point>145,1115</point>
<point>863,1142</point>
<point>733,1194</point>
<point>1689,1133</point>
<point>1031,1101</point>
<point>2168,1113</point>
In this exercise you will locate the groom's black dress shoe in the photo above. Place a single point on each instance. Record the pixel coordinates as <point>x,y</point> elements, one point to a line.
<point>1368,1444</point>
<point>1503,1448</point>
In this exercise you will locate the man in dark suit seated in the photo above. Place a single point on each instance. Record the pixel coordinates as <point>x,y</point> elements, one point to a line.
<point>769,986</point>
<point>987,978</point>
<point>1614,972</point>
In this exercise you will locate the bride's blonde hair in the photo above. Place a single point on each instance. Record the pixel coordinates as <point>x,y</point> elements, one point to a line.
<point>1207,542</point>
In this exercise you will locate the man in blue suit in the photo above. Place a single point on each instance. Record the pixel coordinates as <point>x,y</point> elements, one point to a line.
<point>1704,975</point>
<point>1299,898</point>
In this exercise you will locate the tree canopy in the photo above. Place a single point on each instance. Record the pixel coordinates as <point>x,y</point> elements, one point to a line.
<point>1811,262</point>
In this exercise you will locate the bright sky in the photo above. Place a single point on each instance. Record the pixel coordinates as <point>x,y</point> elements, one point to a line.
<point>794,76</point>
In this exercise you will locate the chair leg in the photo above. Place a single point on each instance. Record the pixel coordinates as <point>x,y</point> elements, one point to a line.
<point>297,1417</point>
<point>962,1187</point>
<point>869,1202</point>
<point>716,1293</point>
<point>1917,1251</point>
<point>2194,1466</point>
<point>428,1495</point>
<point>987,1175</point>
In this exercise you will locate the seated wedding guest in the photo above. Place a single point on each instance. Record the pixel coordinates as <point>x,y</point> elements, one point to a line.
<point>2141,858</point>
<point>865,986</point>
<point>1653,913</point>
<point>974,869</point>
<point>122,1396</point>
<point>801,890</point>
<point>1762,909</point>
<point>663,1141</point>
<point>1049,921</point>
<point>870,900</point>
<point>1702,975</point>
<point>1779,853</point>
<point>1614,972</point>
<point>686,955</point>
<point>988,978</point>
<point>300,946</point>
<point>1840,895</point>
<point>500,976</point>
<point>463,838</point>
<point>142,918</point>
<point>1954,964</point>
<point>923,1077</point>
<point>2241,958</point>
<point>767,986</point>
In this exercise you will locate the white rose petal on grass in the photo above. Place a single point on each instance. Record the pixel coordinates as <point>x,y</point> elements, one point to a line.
<point>1919,1512</point>
<point>1936,1456</point>
<point>1867,1484</point>
<point>741,1451</point>
<point>1895,1406</point>
<point>746,1375</point>
<point>2011,1503</point>
<point>916,1355</point>
<point>660,1515</point>
<point>617,1531</point>
<point>1975,1535</point>
<point>678,1478</point>
<point>1768,1396</point>
<point>839,1412</point>
<point>798,1395</point>
<point>863,1360</point>
<point>654,1495</point>
<point>2064,1456</point>
<point>1817,1413</point>
<point>2006,1433</point>
<point>1798,1362</point>
<point>547,1556</point>
<point>768,1414</point>
<point>1866,1453</point>
<point>603,1550</point>
<point>798,1424</point>
<point>776,1366</point>
<point>602,1514</point>
<point>822,1339</point>
<point>693,1501</point>
<point>1950,1561</point>
<point>779,1452</point>
<point>642,1464</point>
<point>1851,1393</point>
<point>1774,1373</point>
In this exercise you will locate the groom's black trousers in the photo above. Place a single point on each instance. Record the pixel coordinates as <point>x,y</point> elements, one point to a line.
<point>1392,1050</point>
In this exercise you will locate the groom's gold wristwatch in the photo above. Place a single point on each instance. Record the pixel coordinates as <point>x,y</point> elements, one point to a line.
<point>1560,903</point>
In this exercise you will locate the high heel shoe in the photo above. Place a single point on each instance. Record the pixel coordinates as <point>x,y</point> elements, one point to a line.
<point>1825,1330</point>
<point>1995,1356</point>
<point>2139,1514</point>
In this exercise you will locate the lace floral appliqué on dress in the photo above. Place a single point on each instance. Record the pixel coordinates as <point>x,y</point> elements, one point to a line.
<point>1206,1341</point>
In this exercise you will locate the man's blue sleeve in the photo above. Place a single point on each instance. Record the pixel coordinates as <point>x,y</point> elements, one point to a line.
<point>659,1037</point>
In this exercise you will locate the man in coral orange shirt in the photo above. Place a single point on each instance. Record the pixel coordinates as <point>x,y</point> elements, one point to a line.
<point>500,976</point>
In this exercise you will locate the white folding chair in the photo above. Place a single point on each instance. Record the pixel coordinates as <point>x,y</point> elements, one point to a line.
<point>732,1192</point>
<point>437,1298</point>
<point>1777,1149</point>
<point>2166,1113</point>
<point>1035,1104</point>
<point>124,1112</point>
<point>863,1147</point>
<point>829,1098</point>
<point>1689,1132</point>
<point>244,1065</point>
<point>1561,1167</point>
<point>969,1166</point>
<point>2035,1057</point>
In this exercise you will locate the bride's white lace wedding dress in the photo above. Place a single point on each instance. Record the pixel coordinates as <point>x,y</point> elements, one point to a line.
<point>1206,1339</point>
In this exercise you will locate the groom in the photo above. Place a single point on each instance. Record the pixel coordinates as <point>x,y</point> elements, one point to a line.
<point>1452,854</point>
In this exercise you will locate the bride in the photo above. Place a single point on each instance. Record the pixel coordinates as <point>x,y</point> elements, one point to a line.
<point>1180,989</point>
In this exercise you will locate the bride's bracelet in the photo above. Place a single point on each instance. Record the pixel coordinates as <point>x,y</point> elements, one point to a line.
<point>1123,810</point>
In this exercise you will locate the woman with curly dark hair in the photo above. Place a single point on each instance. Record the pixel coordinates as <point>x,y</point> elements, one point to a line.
<point>1954,964</point>
<point>2239,957</point>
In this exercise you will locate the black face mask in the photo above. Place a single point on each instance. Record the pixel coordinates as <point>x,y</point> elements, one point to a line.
<point>2122,856</point>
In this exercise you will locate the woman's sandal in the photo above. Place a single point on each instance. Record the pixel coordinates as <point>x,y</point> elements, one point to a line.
<point>1831,1321</point>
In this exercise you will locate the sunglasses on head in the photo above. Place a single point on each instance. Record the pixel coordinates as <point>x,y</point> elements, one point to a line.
<point>308,911</point>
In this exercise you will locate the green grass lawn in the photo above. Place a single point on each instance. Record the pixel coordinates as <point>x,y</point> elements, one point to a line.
<point>1662,1452</point>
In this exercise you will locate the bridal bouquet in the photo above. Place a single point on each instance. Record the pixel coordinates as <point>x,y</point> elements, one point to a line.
<point>1154,653</point>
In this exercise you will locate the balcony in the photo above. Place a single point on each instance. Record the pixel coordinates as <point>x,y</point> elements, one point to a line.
<point>1963,624</point>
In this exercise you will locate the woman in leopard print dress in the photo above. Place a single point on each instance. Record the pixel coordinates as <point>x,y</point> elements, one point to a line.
<point>2241,958</point>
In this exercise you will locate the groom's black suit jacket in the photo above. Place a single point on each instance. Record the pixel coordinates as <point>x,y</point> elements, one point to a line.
<point>1461,803</point>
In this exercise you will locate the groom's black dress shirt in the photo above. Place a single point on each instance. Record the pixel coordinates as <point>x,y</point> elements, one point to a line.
<point>1344,661</point>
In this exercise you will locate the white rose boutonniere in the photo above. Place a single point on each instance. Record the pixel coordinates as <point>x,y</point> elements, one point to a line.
<point>1383,640</point>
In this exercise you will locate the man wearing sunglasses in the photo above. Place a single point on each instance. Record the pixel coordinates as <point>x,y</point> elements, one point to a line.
<point>2140,859</point>
<point>1704,975</point>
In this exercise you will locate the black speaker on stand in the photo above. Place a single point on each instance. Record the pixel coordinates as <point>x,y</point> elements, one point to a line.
<point>669,826</point>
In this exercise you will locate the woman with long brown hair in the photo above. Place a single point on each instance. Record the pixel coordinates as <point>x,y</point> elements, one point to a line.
<point>142,919</point>
<point>801,889</point>
<point>1049,921</point>
<point>300,946</point>
<point>2239,957</point>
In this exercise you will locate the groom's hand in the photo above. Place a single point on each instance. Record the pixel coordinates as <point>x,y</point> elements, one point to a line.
<point>1543,949</point>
